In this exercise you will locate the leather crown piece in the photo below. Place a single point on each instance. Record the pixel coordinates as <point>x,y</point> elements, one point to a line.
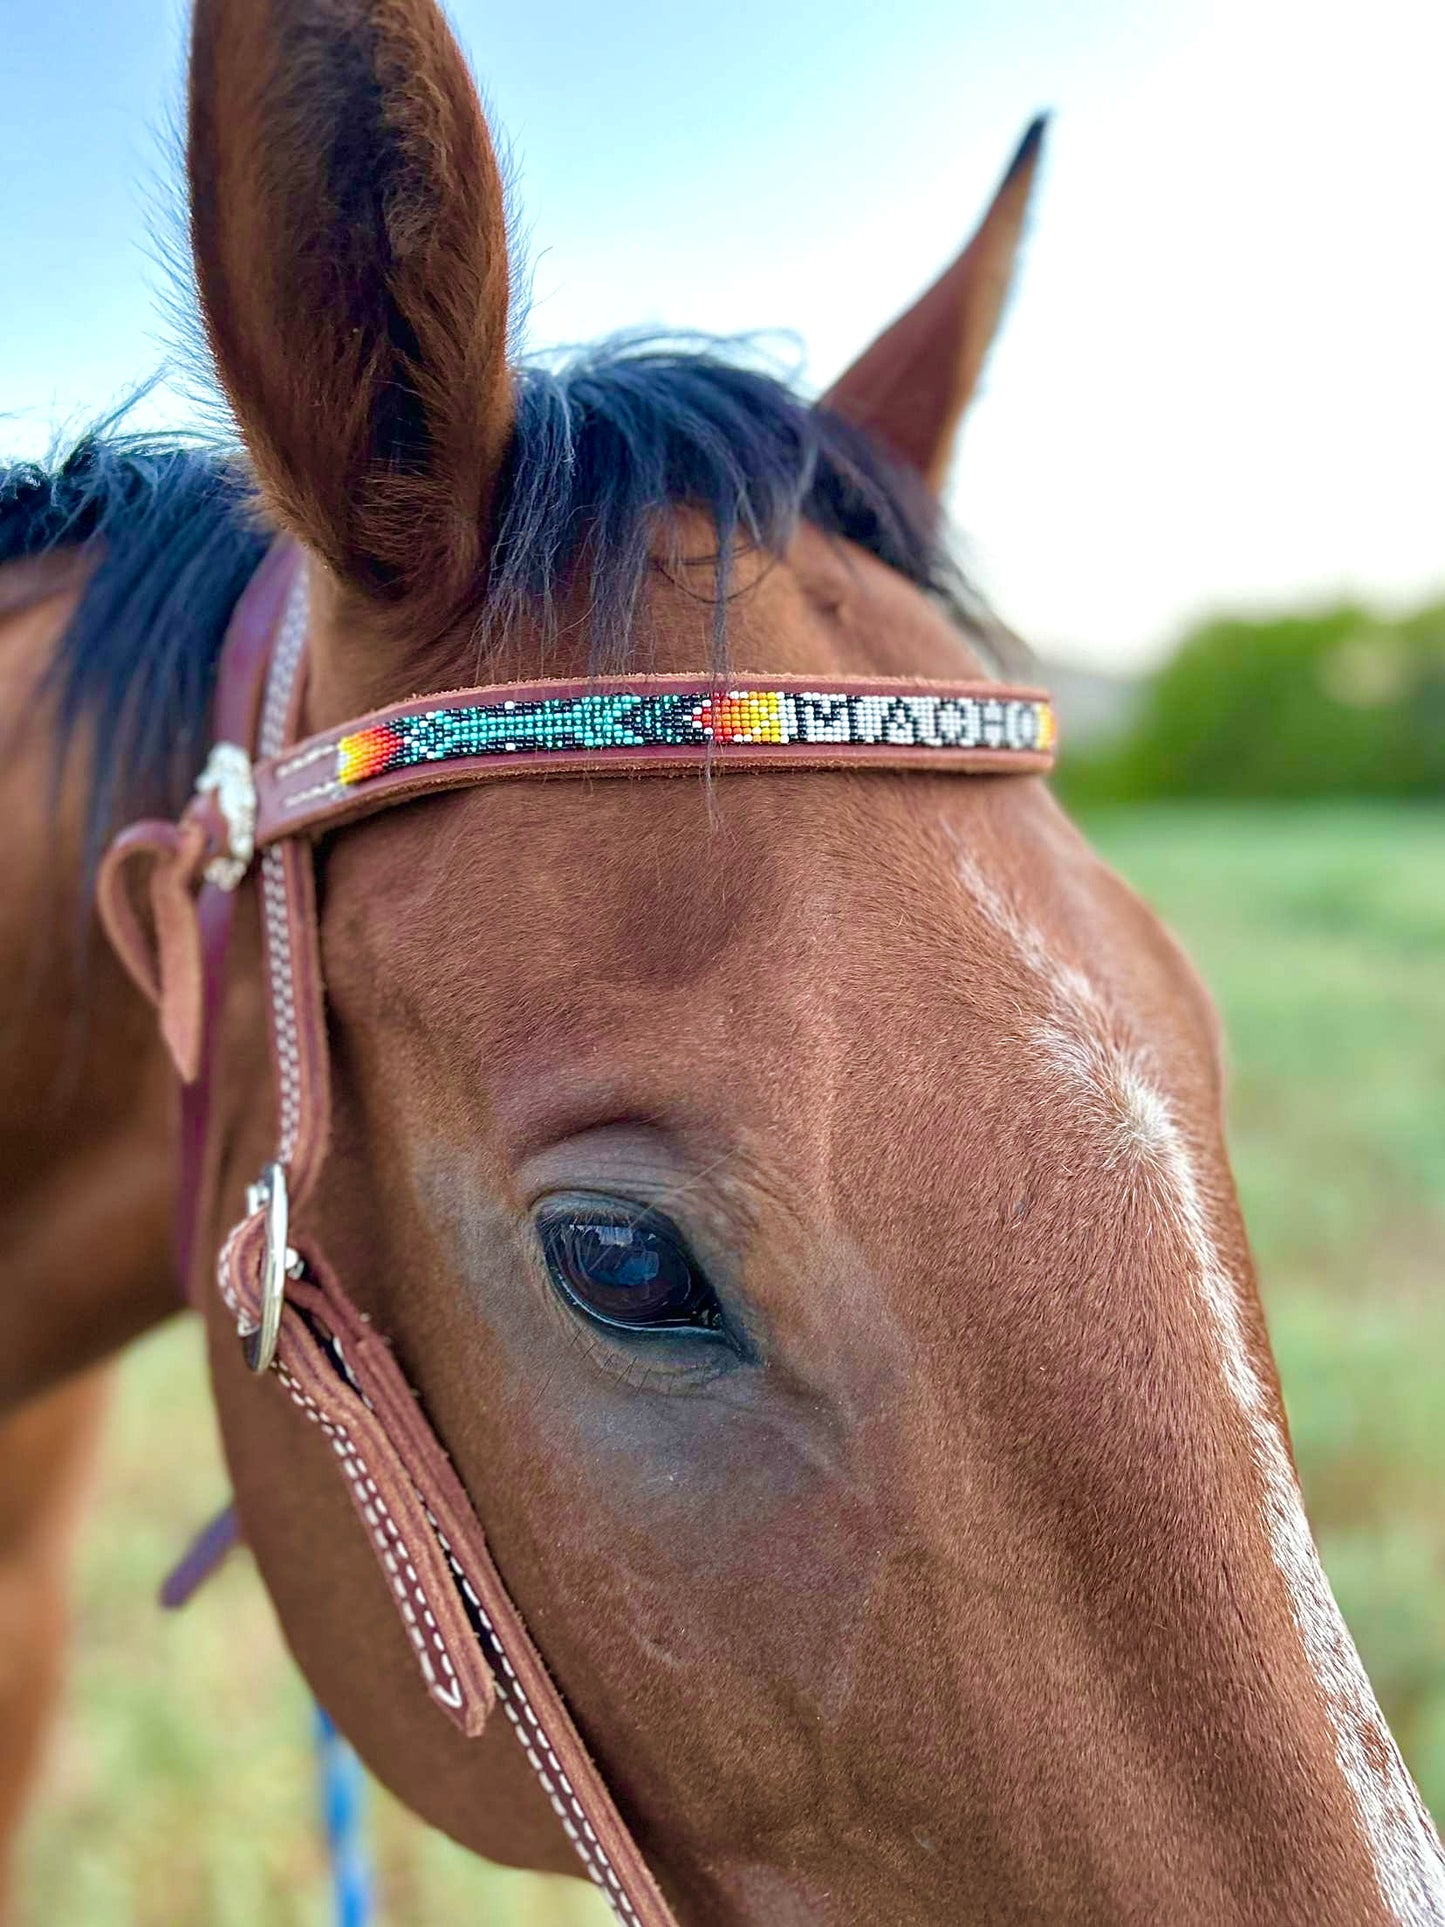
<point>165,895</point>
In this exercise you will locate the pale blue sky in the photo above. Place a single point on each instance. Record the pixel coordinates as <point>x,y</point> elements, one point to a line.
<point>1222,378</point>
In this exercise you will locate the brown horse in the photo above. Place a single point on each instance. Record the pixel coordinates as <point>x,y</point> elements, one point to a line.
<point>939,1556</point>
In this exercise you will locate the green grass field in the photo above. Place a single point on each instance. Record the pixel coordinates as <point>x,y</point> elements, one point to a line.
<point>179,1789</point>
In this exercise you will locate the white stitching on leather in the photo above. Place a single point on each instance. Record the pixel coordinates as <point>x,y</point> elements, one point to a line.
<point>290,643</point>
<point>594,1857</point>
<point>571,1813</point>
<point>309,796</point>
<point>223,1273</point>
<point>305,759</point>
<point>386,1535</point>
<point>284,1027</point>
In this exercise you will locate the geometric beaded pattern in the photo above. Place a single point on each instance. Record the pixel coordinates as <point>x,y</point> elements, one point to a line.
<point>627,719</point>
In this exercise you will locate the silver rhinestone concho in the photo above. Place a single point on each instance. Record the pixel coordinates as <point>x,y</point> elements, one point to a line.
<point>227,776</point>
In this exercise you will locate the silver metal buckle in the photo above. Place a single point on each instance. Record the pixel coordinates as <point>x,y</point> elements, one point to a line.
<point>269,1194</point>
<point>227,777</point>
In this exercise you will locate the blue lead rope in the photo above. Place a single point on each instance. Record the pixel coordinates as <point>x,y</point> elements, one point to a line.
<point>343,1806</point>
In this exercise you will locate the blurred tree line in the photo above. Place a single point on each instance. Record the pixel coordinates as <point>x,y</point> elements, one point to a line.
<point>1338,702</point>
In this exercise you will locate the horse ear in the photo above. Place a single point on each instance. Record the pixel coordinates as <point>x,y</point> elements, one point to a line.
<point>349,231</point>
<point>912,387</point>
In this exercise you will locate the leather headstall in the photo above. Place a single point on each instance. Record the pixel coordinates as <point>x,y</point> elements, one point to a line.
<point>260,802</point>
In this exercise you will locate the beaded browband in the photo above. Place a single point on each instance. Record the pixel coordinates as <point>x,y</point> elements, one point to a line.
<point>641,725</point>
<point>259,810</point>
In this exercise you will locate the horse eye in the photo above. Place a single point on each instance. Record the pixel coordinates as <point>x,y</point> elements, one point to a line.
<point>625,1266</point>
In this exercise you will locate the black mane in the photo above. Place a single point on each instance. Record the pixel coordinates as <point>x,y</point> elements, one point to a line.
<point>602,442</point>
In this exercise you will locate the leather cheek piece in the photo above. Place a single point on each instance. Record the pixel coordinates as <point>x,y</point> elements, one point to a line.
<point>467,1636</point>
<point>162,957</point>
<point>347,1383</point>
<point>469,1640</point>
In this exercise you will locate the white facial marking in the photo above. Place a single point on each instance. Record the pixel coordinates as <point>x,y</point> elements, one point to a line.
<point>1109,1074</point>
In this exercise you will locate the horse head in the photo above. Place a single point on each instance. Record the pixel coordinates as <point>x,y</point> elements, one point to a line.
<point>798,1201</point>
